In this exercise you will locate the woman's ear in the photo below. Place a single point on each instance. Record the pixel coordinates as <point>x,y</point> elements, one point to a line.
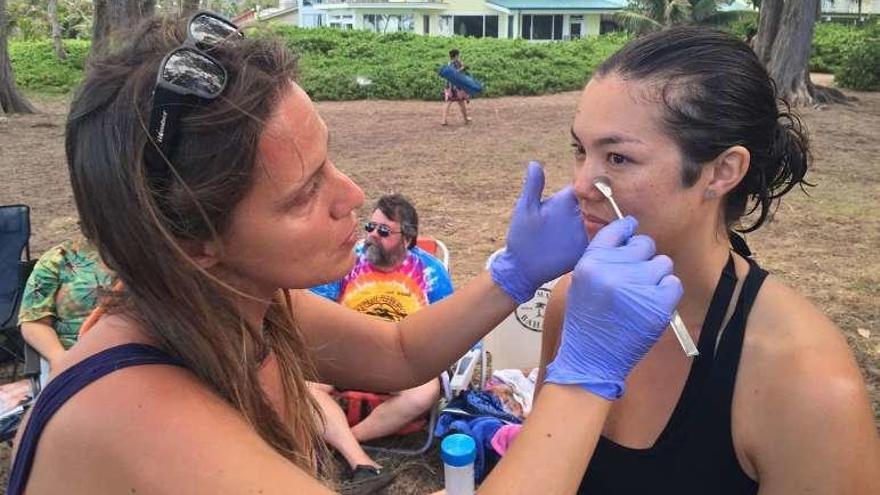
<point>726,171</point>
<point>204,253</point>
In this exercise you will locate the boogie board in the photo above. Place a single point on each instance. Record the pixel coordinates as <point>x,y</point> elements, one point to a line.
<point>460,80</point>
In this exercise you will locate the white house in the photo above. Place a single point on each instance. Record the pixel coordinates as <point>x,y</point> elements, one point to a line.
<point>529,19</point>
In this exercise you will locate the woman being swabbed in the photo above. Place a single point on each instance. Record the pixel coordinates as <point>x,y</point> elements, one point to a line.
<point>686,126</point>
<point>210,192</point>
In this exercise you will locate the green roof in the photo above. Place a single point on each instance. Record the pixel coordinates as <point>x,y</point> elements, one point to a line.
<point>560,4</point>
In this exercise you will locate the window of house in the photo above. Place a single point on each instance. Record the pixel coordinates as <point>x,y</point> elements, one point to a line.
<point>389,23</point>
<point>344,21</point>
<point>468,25</point>
<point>542,27</point>
<point>477,26</point>
<point>312,20</point>
<point>426,24</point>
<point>445,25</point>
<point>491,29</point>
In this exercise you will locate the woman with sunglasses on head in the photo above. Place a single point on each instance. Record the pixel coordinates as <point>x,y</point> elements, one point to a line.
<point>685,127</point>
<point>211,195</point>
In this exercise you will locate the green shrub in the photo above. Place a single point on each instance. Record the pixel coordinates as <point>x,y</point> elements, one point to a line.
<point>347,65</point>
<point>741,25</point>
<point>831,41</point>
<point>37,68</point>
<point>860,69</point>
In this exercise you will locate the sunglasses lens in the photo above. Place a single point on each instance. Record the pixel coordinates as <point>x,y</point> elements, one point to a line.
<point>194,71</point>
<point>369,227</point>
<point>384,231</point>
<point>208,31</point>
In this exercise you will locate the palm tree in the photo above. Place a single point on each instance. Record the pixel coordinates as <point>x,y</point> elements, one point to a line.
<point>643,16</point>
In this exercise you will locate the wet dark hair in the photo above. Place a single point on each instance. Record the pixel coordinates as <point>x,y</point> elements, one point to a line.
<point>453,53</point>
<point>717,94</point>
<point>398,208</point>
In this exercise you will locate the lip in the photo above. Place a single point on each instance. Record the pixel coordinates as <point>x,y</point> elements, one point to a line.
<point>352,238</point>
<point>589,218</point>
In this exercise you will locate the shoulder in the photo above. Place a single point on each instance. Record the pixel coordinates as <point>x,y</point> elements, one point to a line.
<point>799,393</point>
<point>153,425</point>
<point>427,259</point>
<point>54,256</point>
<point>790,337</point>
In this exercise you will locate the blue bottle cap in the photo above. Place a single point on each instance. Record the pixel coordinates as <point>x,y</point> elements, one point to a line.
<point>458,450</point>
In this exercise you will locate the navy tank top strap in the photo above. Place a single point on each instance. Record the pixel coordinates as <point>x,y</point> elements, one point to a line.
<point>65,386</point>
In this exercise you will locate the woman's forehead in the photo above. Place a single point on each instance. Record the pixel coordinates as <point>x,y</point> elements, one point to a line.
<point>294,133</point>
<point>611,105</point>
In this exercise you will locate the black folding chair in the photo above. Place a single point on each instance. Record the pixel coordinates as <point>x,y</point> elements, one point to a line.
<point>15,265</point>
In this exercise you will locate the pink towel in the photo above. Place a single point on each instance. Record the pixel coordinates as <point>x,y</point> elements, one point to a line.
<point>504,437</point>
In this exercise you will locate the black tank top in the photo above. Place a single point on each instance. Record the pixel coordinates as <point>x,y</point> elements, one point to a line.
<point>694,453</point>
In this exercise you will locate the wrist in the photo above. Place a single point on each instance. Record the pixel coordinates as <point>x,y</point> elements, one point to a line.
<point>507,274</point>
<point>582,376</point>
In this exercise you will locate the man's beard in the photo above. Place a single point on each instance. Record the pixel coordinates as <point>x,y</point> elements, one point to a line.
<point>380,257</point>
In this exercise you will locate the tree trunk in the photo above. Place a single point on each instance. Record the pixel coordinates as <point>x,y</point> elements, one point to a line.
<point>789,63</point>
<point>56,30</point>
<point>112,16</point>
<point>10,99</point>
<point>768,28</point>
<point>188,7</point>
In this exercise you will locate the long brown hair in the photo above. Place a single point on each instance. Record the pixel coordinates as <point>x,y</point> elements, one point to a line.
<point>140,231</point>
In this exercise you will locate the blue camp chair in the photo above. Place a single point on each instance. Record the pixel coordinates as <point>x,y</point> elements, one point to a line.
<point>15,232</point>
<point>15,267</point>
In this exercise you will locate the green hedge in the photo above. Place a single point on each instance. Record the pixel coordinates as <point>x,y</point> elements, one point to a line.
<point>831,42</point>
<point>38,69</point>
<point>860,69</point>
<point>347,65</point>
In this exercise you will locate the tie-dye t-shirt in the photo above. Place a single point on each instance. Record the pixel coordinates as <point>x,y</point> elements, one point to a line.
<point>420,280</point>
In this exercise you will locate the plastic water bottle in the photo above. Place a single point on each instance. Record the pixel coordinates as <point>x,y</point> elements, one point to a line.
<point>458,452</point>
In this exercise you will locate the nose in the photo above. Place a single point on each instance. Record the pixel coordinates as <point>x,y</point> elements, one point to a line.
<point>373,235</point>
<point>584,189</point>
<point>349,197</point>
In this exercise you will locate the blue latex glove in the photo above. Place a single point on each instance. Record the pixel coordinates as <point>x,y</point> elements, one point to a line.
<point>620,300</point>
<point>544,240</point>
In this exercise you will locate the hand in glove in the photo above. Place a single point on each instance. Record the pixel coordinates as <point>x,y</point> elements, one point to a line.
<point>620,300</point>
<point>545,239</point>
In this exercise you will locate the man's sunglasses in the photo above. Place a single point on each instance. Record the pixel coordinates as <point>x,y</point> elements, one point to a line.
<point>187,78</point>
<point>380,228</point>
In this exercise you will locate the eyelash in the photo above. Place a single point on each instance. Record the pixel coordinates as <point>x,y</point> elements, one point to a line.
<point>580,151</point>
<point>312,191</point>
<point>611,156</point>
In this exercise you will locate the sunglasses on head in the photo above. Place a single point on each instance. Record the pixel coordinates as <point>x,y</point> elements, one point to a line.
<point>380,228</point>
<point>187,77</point>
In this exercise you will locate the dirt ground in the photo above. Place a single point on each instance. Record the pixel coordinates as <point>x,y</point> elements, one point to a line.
<point>464,181</point>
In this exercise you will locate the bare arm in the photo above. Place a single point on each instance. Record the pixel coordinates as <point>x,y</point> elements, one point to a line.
<point>801,405</point>
<point>552,328</point>
<point>42,337</point>
<point>358,351</point>
<point>529,466</point>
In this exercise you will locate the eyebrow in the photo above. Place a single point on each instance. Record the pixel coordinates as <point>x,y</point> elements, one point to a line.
<point>291,197</point>
<point>612,139</point>
<point>288,199</point>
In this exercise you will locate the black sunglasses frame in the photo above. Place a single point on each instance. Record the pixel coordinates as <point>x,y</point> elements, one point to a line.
<point>171,101</point>
<point>380,228</point>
